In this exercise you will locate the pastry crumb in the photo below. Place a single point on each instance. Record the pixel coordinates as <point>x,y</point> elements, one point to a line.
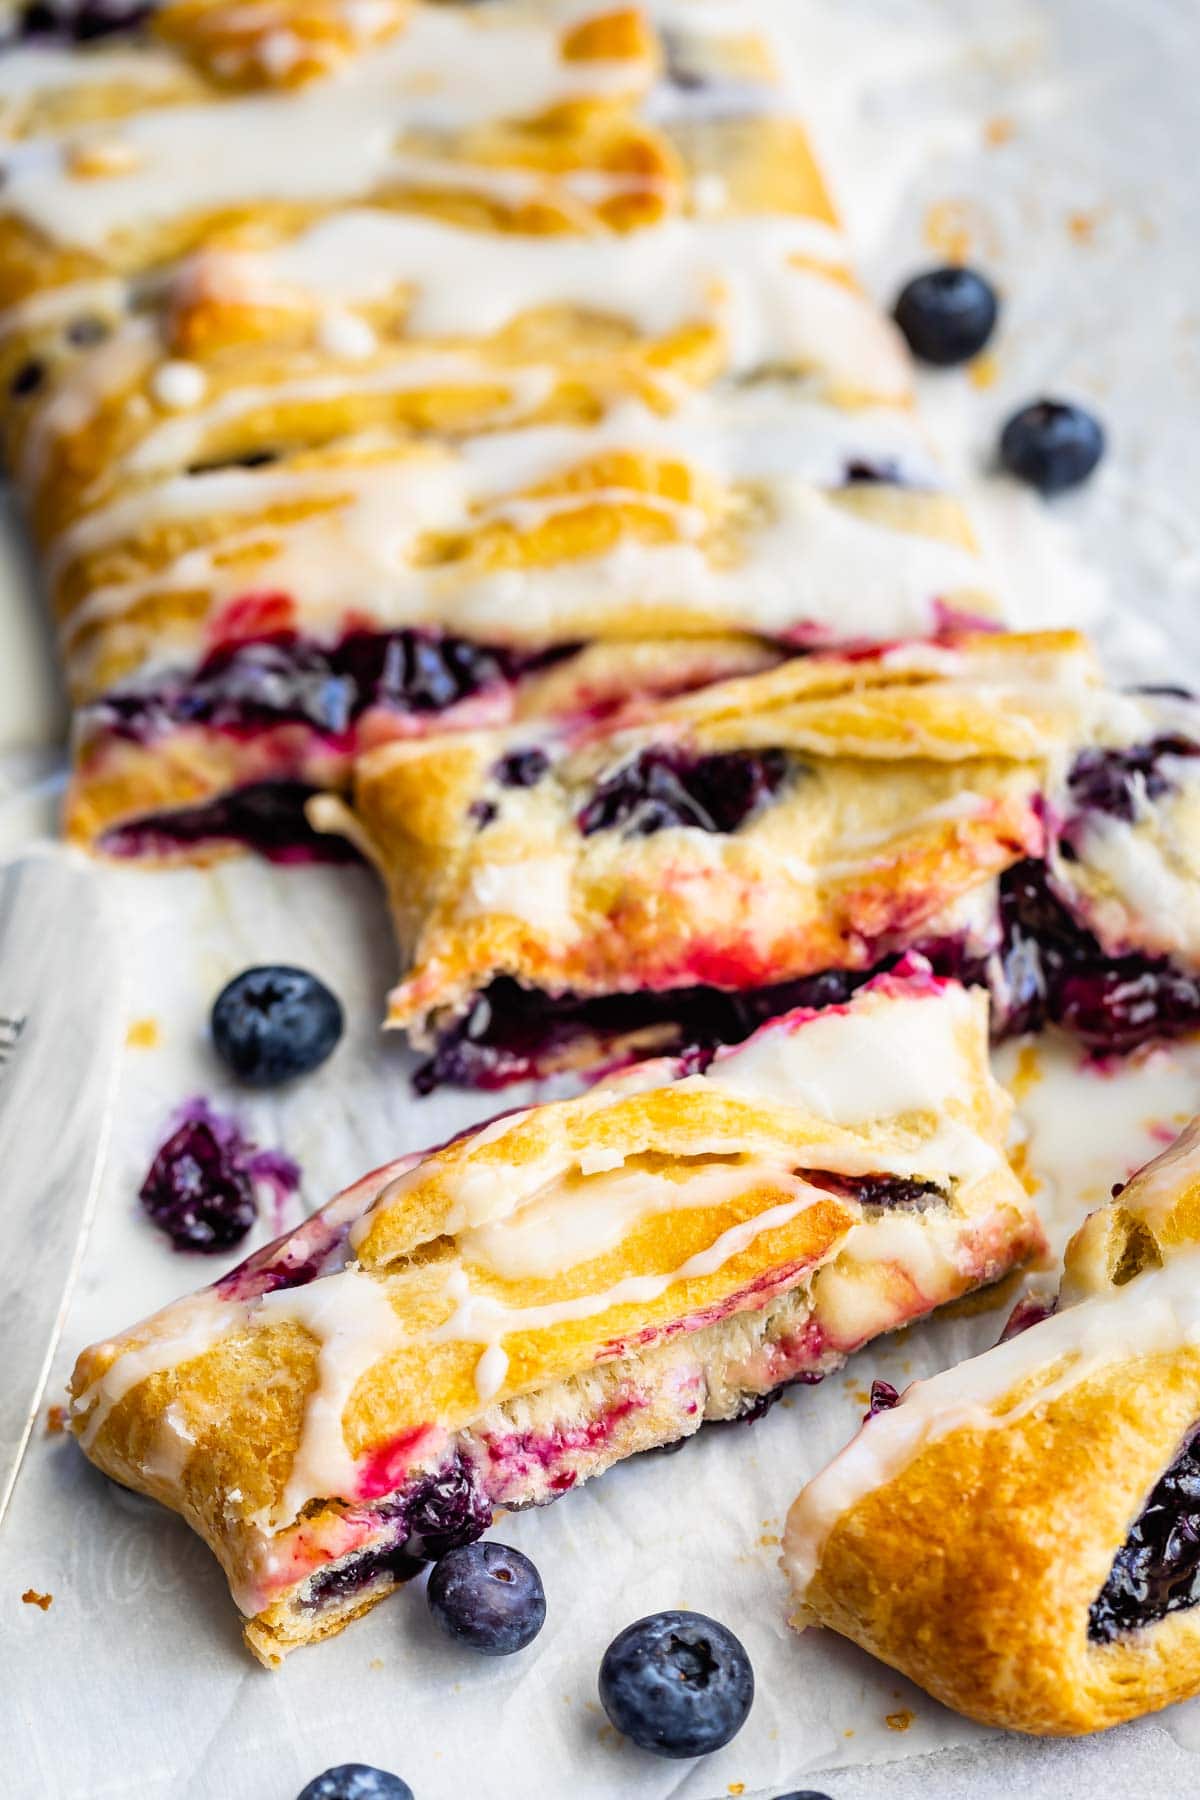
<point>56,1420</point>
<point>142,1034</point>
<point>946,230</point>
<point>983,371</point>
<point>900,1721</point>
<point>769,1538</point>
<point>31,1597</point>
<point>376,1662</point>
<point>1082,227</point>
<point>998,130</point>
<point>736,1787</point>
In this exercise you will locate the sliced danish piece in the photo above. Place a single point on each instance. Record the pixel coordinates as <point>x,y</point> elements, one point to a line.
<point>571,895</point>
<point>498,1320</point>
<point>1021,1535</point>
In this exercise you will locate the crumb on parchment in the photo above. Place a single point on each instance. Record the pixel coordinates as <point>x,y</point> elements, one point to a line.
<point>56,1420</point>
<point>31,1597</point>
<point>142,1034</point>
<point>900,1721</point>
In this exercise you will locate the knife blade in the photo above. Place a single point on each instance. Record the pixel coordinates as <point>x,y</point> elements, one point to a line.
<point>60,1020</point>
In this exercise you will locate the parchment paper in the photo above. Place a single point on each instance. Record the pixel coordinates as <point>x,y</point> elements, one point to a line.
<point>1056,144</point>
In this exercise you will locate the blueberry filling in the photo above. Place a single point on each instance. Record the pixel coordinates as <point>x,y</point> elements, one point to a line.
<point>896,1193</point>
<point>1119,782</point>
<point>512,1033</point>
<point>285,679</point>
<point>267,816</point>
<point>1048,969</point>
<point>661,787</point>
<point>86,330</point>
<point>440,1512</point>
<point>1052,970</point>
<point>1157,1569</point>
<point>521,768</point>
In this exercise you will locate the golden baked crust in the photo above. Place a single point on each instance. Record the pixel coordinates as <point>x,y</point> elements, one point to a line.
<point>551,336</point>
<point>968,1537</point>
<point>498,1320</point>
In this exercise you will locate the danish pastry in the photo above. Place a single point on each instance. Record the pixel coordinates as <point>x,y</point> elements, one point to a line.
<point>545,336</point>
<point>1021,1534</point>
<point>494,1322</point>
<point>570,894</point>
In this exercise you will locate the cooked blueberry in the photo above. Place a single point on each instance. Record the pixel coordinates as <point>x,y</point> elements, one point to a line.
<point>521,768</point>
<point>86,330</point>
<point>859,473</point>
<point>1157,1569</point>
<point>947,315</point>
<point>1051,968</point>
<point>1052,445</point>
<point>662,786</point>
<point>883,1397</point>
<point>677,1683</point>
<point>803,1794</point>
<point>356,1781</point>
<point>272,1023</point>
<point>28,378</point>
<point>1119,782</point>
<point>196,1191</point>
<point>487,1596</point>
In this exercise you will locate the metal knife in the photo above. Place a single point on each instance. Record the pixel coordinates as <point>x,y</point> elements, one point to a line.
<point>60,1020</point>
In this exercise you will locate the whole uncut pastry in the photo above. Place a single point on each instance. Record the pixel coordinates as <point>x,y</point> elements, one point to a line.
<point>569,894</point>
<point>1021,1535</point>
<point>497,1321</point>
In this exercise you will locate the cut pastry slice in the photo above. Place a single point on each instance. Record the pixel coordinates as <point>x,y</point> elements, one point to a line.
<point>550,338</point>
<point>570,895</point>
<point>496,1321</point>
<point>1021,1535</point>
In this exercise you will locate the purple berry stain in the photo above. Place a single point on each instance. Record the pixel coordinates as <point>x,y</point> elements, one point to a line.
<point>202,1187</point>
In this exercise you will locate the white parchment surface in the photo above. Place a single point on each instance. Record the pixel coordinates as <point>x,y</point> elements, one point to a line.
<point>1056,144</point>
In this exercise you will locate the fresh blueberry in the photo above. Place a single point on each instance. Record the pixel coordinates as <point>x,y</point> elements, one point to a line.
<point>802,1794</point>
<point>677,1683</point>
<point>270,1024</point>
<point>356,1781</point>
<point>1052,445</point>
<point>947,315</point>
<point>488,1597</point>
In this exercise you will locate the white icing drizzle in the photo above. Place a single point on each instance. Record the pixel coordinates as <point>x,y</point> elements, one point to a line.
<point>184,1330</point>
<point>355,1324</point>
<point>744,273</point>
<point>447,71</point>
<point>482,1319</point>
<point>868,1061</point>
<point>1157,1311</point>
<point>808,560</point>
<point>565,1226</point>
